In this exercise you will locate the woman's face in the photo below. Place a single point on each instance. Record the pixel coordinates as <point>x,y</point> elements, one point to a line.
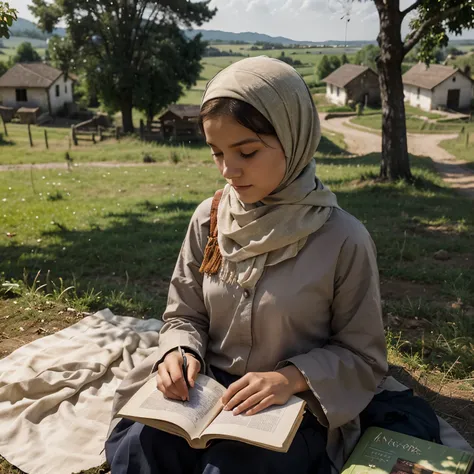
<point>253,167</point>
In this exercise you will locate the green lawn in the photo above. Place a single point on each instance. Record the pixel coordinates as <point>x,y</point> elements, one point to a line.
<point>461,148</point>
<point>113,234</point>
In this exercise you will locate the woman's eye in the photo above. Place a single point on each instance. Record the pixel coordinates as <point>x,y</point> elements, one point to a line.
<point>249,155</point>
<point>217,155</point>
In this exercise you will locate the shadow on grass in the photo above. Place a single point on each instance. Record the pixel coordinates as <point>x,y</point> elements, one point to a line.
<point>457,411</point>
<point>5,142</point>
<point>328,147</point>
<point>135,252</point>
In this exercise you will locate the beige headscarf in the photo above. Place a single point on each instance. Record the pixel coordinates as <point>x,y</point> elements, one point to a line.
<point>254,236</point>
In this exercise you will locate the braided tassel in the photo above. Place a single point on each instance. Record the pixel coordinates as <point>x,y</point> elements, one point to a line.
<point>212,260</point>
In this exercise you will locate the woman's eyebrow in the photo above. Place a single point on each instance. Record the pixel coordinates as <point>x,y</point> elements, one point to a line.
<point>242,142</point>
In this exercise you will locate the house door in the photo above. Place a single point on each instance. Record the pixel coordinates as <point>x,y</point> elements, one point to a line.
<point>453,98</point>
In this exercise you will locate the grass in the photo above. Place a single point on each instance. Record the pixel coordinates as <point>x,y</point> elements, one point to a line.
<point>100,238</point>
<point>461,148</point>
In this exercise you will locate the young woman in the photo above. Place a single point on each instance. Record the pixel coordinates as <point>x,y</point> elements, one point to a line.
<point>288,302</point>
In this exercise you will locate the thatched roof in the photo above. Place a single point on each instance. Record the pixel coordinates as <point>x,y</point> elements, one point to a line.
<point>428,77</point>
<point>345,74</point>
<point>30,75</point>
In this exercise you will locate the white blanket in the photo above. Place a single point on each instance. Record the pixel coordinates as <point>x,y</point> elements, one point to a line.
<point>56,393</point>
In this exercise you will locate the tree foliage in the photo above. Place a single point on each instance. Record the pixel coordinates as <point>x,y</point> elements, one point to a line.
<point>174,66</point>
<point>25,53</point>
<point>367,56</point>
<point>116,42</point>
<point>7,16</point>
<point>344,59</point>
<point>324,67</point>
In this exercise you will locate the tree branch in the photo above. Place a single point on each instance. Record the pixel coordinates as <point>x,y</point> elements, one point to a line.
<point>421,31</point>
<point>411,8</point>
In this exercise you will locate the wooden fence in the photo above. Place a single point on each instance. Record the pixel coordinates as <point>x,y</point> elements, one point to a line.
<point>92,130</point>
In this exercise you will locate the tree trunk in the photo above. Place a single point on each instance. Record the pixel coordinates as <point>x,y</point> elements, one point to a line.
<point>395,161</point>
<point>127,120</point>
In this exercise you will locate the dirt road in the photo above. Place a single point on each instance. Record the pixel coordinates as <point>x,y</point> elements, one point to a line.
<point>361,142</point>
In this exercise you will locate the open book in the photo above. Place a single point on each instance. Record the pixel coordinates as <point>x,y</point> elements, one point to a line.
<point>202,418</point>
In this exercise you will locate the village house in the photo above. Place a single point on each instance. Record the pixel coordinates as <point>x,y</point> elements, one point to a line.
<point>437,86</point>
<point>36,85</point>
<point>353,83</point>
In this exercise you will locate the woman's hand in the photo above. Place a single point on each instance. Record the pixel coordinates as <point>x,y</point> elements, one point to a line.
<point>170,378</point>
<point>256,391</point>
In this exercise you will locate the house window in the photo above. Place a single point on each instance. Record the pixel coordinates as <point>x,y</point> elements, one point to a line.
<point>337,92</point>
<point>57,91</point>
<point>21,95</point>
<point>331,89</point>
<point>454,79</point>
<point>418,93</point>
<point>65,89</point>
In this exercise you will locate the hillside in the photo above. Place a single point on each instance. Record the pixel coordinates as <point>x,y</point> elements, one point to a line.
<point>22,26</point>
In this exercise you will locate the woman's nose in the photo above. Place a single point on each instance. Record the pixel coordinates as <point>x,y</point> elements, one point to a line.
<point>230,171</point>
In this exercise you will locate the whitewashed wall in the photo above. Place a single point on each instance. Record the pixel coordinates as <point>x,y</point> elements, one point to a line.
<point>65,94</point>
<point>461,82</point>
<point>36,98</point>
<point>333,97</point>
<point>423,100</point>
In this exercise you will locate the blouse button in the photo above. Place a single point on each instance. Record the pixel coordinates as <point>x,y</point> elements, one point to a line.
<point>246,293</point>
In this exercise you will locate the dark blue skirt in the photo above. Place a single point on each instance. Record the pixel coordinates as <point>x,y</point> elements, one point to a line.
<point>135,448</point>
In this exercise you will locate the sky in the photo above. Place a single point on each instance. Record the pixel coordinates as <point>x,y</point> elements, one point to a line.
<point>305,20</point>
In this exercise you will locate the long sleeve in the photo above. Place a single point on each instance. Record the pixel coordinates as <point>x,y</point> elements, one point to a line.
<point>186,319</point>
<point>343,375</point>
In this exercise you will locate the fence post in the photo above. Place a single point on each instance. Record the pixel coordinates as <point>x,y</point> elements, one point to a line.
<point>99,128</point>
<point>4,126</point>
<point>117,132</point>
<point>73,135</point>
<point>93,138</point>
<point>142,129</point>
<point>46,139</point>
<point>29,134</point>
<point>466,143</point>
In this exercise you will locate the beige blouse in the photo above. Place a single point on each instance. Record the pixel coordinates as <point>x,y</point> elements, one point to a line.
<point>319,311</point>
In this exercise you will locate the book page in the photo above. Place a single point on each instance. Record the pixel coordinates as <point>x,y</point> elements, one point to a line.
<point>193,415</point>
<point>270,427</point>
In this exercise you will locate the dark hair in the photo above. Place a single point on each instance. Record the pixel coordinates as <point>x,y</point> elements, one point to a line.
<point>245,114</point>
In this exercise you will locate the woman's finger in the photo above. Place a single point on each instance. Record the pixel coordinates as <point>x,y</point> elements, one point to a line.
<point>179,384</point>
<point>165,385</point>
<point>250,402</point>
<point>243,395</point>
<point>265,403</point>
<point>235,387</point>
<point>194,366</point>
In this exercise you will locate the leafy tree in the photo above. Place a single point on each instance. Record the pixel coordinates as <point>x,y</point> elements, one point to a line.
<point>324,67</point>
<point>432,21</point>
<point>367,56</point>
<point>335,63</point>
<point>175,64</point>
<point>115,40</point>
<point>344,59</point>
<point>25,53</point>
<point>7,17</point>
<point>3,68</point>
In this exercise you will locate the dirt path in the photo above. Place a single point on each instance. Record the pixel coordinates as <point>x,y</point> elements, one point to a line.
<point>361,142</point>
<point>63,166</point>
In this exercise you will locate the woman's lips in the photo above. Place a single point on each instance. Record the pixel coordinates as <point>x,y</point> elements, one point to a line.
<point>241,188</point>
